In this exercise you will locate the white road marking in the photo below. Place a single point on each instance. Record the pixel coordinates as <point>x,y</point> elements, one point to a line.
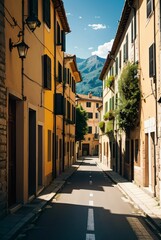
<point>90,221</point>
<point>90,236</point>
<point>91,194</point>
<point>90,203</point>
<point>90,182</point>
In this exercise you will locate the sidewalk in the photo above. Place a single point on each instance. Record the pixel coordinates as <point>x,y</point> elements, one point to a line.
<point>11,225</point>
<point>142,200</point>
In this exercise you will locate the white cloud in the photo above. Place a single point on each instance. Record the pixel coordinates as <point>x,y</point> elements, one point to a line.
<point>75,47</point>
<point>90,48</point>
<point>97,17</point>
<point>68,14</point>
<point>97,26</point>
<point>80,17</point>
<point>102,50</point>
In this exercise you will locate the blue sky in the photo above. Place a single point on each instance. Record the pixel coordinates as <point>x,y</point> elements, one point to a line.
<point>93,25</point>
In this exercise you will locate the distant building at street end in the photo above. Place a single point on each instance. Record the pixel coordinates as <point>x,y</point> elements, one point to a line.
<point>90,144</point>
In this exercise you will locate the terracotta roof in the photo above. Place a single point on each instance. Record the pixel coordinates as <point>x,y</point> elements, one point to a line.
<point>87,97</point>
<point>120,31</point>
<point>74,66</point>
<point>59,6</point>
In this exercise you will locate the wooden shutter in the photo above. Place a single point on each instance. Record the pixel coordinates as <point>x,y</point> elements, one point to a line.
<point>149,7</point>
<point>59,104</point>
<point>152,60</point>
<point>63,40</point>
<point>33,8</point>
<point>58,34</point>
<point>46,12</point>
<point>59,72</point>
<point>47,72</point>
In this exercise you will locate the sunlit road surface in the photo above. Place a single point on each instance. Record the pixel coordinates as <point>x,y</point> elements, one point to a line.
<point>90,207</point>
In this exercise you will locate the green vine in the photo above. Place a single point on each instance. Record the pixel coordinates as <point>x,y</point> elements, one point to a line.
<point>129,96</point>
<point>110,81</point>
<point>109,127</point>
<point>109,115</point>
<point>102,126</point>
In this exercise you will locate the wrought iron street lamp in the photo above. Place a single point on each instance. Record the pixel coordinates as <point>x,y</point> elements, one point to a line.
<point>22,48</point>
<point>33,22</point>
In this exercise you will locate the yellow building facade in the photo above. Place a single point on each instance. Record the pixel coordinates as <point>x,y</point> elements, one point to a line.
<point>136,155</point>
<point>36,132</point>
<point>90,145</point>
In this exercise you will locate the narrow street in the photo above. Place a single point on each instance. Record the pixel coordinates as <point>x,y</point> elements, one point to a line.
<point>89,207</point>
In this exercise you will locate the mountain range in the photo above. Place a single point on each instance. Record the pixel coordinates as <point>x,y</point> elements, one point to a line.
<point>90,70</point>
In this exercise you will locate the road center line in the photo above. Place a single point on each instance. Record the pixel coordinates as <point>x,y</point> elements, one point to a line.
<point>90,182</point>
<point>90,221</point>
<point>90,236</point>
<point>91,194</point>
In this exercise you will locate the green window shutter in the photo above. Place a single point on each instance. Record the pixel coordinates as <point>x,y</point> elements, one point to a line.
<point>110,104</point>
<point>58,34</point>
<point>59,73</point>
<point>46,12</point>
<point>63,40</point>
<point>113,103</point>
<point>33,8</point>
<point>47,72</point>
<point>59,104</point>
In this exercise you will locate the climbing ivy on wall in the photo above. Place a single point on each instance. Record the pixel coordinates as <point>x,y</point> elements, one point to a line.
<point>129,97</point>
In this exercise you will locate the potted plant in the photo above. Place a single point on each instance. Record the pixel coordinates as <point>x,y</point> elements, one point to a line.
<point>110,81</point>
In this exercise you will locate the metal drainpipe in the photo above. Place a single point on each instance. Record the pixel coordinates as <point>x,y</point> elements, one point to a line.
<point>156,94</point>
<point>63,124</point>
<point>54,128</point>
<point>22,59</point>
<point>156,107</point>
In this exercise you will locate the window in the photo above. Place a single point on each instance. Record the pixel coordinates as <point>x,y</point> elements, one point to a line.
<point>89,129</point>
<point>49,145</point>
<point>90,115</point>
<point>88,104</point>
<point>149,7</point>
<point>46,12</point>
<point>97,105</point>
<point>152,60</point>
<point>96,115</point>
<point>47,72</point>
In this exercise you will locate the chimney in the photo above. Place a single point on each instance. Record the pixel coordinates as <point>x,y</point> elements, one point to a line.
<point>90,95</point>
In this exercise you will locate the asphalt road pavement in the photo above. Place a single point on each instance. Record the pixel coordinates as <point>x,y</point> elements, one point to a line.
<point>89,207</point>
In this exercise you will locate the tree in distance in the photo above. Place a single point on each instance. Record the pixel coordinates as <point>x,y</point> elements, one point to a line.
<point>81,123</point>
